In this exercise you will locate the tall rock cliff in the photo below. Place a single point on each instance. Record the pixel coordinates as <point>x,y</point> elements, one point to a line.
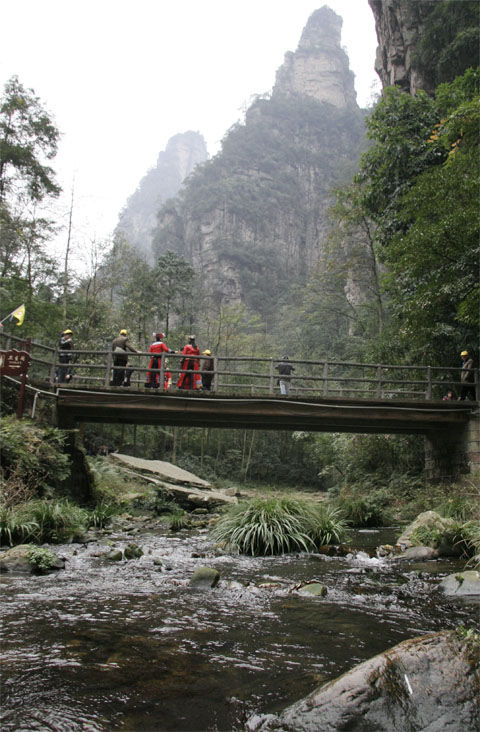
<point>253,219</point>
<point>138,218</point>
<point>422,43</point>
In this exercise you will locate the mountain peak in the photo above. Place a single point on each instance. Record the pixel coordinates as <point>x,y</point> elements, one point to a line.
<point>319,67</point>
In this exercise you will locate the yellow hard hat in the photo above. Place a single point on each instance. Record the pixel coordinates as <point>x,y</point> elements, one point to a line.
<point>464,353</point>
<point>123,332</point>
<point>207,353</point>
<point>68,332</point>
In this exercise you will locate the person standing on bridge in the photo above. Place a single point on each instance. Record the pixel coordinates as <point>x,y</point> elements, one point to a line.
<point>207,369</point>
<point>188,378</point>
<point>121,371</point>
<point>284,369</point>
<point>467,377</point>
<point>65,345</point>
<point>156,349</point>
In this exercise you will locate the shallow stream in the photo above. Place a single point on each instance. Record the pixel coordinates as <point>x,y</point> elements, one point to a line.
<point>105,646</point>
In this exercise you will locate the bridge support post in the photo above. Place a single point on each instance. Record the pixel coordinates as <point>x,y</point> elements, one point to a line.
<point>451,453</point>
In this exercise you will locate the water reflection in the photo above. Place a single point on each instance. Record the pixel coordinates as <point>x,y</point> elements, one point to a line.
<point>131,646</point>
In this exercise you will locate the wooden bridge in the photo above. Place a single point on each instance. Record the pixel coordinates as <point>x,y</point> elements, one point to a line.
<point>325,396</point>
<point>310,414</point>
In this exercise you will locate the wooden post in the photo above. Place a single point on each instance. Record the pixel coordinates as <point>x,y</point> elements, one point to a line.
<point>26,346</point>
<point>215,373</point>
<point>161,377</point>
<point>109,368</point>
<point>271,379</point>
<point>428,392</point>
<point>379,381</point>
<point>53,367</point>
<point>325,378</point>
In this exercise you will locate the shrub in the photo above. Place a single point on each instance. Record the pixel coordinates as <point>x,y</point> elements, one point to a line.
<point>31,457</point>
<point>369,510</point>
<point>268,526</point>
<point>41,559</point>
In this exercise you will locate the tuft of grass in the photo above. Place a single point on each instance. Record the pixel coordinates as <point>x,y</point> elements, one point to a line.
<point>367,510</point>
<point>102,514</point>
<point>470,539</point>
<point>178,520</point>
<point>56,521</point>
<point>15,529</point>
<point>277,525</point>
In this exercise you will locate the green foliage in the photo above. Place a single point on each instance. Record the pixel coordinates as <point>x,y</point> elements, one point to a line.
<point>329,525</point>
<point>269,526</point>
<point>372,509</point>
<point>420,186</point>
<point>101,515</point>
<point>435,537</point>
<point>15,529</point>
<point>449,42</point>
<point>42,560</point>
<point>178,520</point>
<point>57,522</point>
<point>31,455</point>
<point>470,541</point>
<point>112,486</point>
<point>28,140</point>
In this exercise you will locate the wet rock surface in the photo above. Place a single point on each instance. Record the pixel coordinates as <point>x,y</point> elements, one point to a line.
<point>462,584</point>
<point>428,683</point>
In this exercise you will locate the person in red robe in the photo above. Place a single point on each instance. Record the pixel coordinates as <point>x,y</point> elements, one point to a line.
<point>188,378</point>
<point>157,348</point>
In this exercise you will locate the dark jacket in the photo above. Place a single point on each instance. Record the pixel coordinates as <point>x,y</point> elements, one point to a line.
<point>122,342</point>
<point>285,369</point>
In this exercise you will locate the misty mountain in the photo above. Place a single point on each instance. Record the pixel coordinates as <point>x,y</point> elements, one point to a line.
<point>253,220</point>
<point>137,219</point>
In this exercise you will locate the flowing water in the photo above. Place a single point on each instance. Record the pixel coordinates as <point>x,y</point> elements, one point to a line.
<point>105,646</point>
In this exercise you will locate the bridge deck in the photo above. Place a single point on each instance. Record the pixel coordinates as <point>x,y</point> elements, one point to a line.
<point>285,413</point>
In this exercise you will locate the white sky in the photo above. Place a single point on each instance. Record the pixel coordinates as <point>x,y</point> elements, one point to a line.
<point>121,77</point>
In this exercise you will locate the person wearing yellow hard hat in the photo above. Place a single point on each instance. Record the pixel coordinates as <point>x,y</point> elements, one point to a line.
<point>467,377</point>
<point>121,371</point>
<point>207,370</point>
<point>65,357</point>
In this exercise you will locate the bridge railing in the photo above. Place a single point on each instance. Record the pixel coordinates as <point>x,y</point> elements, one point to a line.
<point>252,375</point>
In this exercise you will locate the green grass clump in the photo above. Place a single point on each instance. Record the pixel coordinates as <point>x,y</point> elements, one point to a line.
<point>15,529</point>
<point>366,510</point>
<point>178,520</point>
<point>56,522</point>
<point>277,525</point>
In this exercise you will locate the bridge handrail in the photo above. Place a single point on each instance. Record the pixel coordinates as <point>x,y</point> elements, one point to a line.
<point>333,377</point>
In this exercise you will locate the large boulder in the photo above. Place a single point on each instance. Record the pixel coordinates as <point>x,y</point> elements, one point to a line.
<point>187,489</point>
<point>429,683</point>
<point>27,559</point>
<point>430,529</point>
<point>462,584</point>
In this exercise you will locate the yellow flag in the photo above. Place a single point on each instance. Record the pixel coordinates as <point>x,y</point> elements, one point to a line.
<point>19,314</point>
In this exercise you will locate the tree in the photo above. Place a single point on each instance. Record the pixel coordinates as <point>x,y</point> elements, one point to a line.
<point>174,279</point>
<point>421,183</point>
<point>28,140</point>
